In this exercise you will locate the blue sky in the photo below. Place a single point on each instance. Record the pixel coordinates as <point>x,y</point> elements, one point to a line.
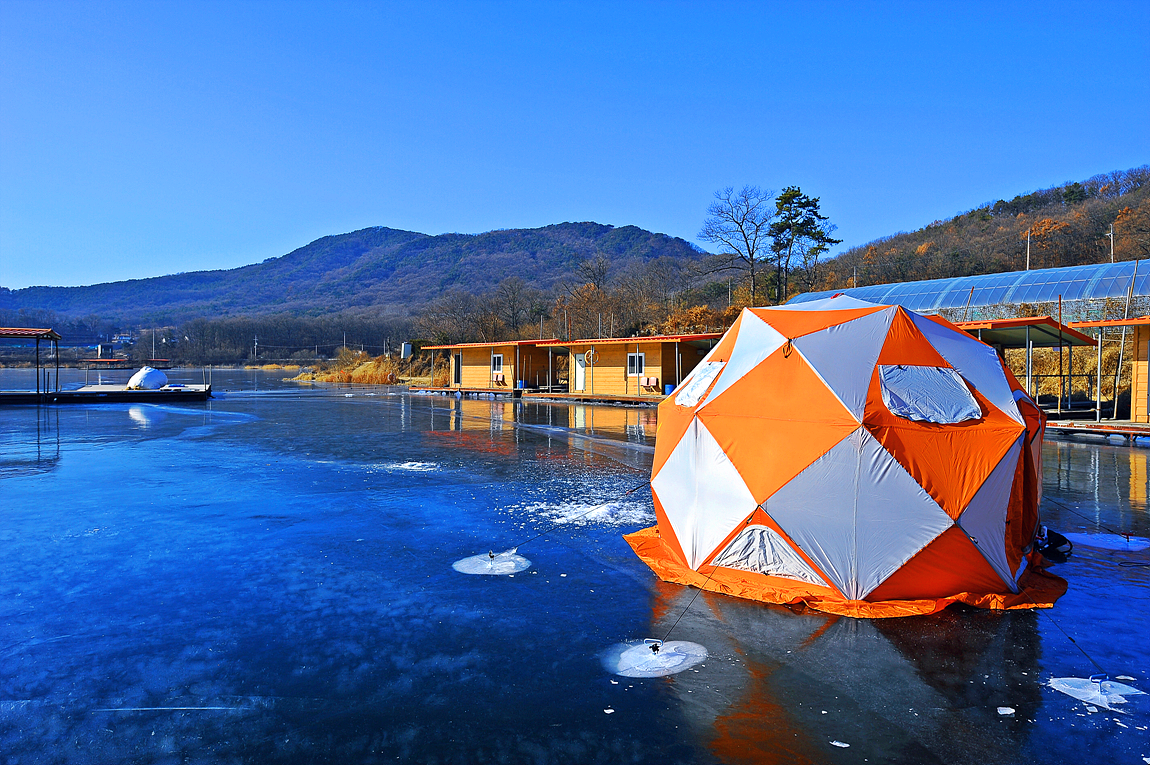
<point>139,139</point>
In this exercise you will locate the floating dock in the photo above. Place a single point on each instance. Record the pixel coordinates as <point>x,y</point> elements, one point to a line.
<point>104,394</point>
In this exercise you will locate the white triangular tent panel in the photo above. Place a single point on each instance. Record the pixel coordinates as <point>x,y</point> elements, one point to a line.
<point>764,551</point>
<point>972,359</point>
<point>756,341</point>
<point>857,514</point>
<point>702,494</point>
<point>816,509</point>
<point>896,516</point>
<point>844,356</point>
<point>724,499</point>
<point>836,303</point>
<point>984,519</point>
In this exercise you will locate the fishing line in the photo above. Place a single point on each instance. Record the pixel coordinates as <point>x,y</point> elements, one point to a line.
<point>1088,518</point>
<point>714,568</point>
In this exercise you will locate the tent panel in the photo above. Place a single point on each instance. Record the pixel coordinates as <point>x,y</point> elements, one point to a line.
<point>906,345</point>
<point>723,500</point>
<point>950,461</point>
<point>755,341</point>
<point>975,361</point>
<point>671,425</point>
<point>675,490</point>
<point>844,355</point>
<point>770,439</point>
<point>836,303</point>
<point>702,494</point>
<point>795,324</point>
<point>947,566</point>
<point>895,517</point>
<point>984,520</point>
<point>761,550</point>
<point>817,511</point>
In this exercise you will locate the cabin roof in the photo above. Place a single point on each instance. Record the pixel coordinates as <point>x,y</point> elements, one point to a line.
<point>28,333</point>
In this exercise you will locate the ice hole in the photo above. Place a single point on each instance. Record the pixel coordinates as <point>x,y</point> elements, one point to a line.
<point>493,564</point>
<point>637,659</point>
<point>1105,693</point>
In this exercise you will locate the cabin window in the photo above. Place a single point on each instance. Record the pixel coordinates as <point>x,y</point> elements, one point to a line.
<point>457,369</point>
<point>636,364</point>
<point>497,363</point>
<point>927,394</point>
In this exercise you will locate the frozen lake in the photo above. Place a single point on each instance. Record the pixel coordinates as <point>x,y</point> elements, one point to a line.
<point>267,577</point>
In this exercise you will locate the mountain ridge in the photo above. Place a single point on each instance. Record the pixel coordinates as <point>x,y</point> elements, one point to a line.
<point>376,269</point>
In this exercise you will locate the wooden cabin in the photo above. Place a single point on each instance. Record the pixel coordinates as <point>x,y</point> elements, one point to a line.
<point>1139,360</point>
<point>631,366</point>
<point>499,367</point>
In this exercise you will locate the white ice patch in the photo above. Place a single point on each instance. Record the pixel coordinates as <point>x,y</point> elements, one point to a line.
<point>415,467</point>
<point>1109,541</point>
<point>493,564</point>
<point>618,513</point>
<point>1106,693</point>
<point>637,658</point>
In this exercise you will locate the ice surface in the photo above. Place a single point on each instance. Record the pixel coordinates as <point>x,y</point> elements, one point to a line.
<point>637,659</point>
<point>1106,693</point>
<point>257,552</point>
<point>1109,541</point>
<point>493,564</point>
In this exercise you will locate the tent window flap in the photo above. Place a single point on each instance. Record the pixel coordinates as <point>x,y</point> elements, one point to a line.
<point>761,550</point>
<point>698,383</point>
<point>927,394</point>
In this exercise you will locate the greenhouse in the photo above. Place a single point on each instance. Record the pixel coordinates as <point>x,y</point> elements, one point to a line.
<point>1086,288</point>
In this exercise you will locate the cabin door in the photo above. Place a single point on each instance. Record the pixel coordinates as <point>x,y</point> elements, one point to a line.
<point>457,369</point>
<point>580,372</point>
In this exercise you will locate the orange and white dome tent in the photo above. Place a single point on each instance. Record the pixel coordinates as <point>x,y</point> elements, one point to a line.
<point>858,458</point>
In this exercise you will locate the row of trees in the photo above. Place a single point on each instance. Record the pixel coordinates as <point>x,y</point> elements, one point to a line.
<point>755,228</point>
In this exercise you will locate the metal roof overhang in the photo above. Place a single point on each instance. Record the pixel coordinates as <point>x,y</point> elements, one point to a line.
<point>1136,322</point>
<point>1042,332</point>
<point>700,337</point>
<point>28,333</point>
<point>498,344</point>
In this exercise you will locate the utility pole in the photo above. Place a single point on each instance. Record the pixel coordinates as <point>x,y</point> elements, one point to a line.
<point>1027,249</point>
<point>256,352</point>
<point>1111,235</point>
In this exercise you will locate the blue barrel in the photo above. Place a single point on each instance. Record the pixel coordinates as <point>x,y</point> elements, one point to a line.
<point>668,389</point>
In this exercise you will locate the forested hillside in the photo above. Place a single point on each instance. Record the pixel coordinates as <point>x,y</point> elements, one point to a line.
<point>1068,225</point>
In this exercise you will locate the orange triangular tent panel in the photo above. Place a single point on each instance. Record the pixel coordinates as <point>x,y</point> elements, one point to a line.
<point>906,345</point>
<point>672,424</point>
<point>948,564</point>
<point>772,439</point>
<point>792,324</point>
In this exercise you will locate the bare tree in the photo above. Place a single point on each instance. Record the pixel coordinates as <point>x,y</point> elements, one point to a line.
<point>739,222</point>
<point>594,271</point>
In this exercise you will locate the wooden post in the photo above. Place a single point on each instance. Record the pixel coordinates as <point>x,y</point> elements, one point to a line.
<point>1098,381</point>
<point>37,366</point>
